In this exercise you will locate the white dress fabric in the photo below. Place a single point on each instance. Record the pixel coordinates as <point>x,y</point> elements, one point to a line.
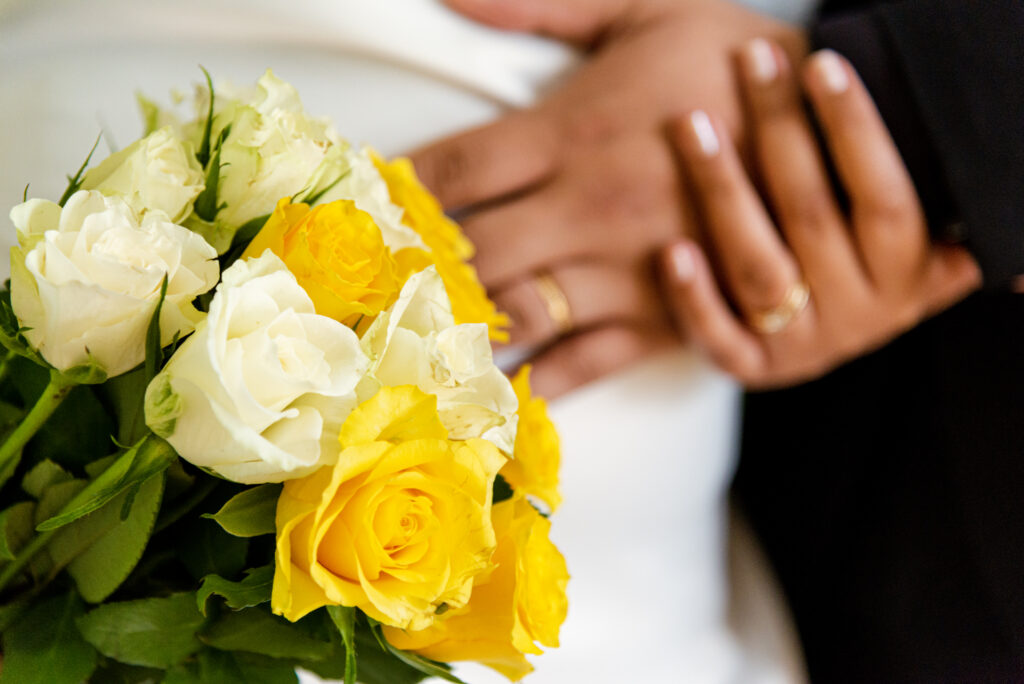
<point>647,454</point>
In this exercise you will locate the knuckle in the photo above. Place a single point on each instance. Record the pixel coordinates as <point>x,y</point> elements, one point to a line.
<point>759,282</point>
<point>889,208</point>
<point>812,211</point>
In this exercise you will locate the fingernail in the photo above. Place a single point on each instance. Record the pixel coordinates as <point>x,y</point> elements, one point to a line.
<point>831,71</point>
<point>705,133</point>
<point>681,260</point>
<point>760,59</point>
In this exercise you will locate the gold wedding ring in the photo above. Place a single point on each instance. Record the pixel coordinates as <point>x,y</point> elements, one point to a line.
<point>555,301</point>
<point>775,320</point>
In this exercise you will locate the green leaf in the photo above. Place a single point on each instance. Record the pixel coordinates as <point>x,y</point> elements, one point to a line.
<point>45,473</point>
<point>250,513</point>
<point>15,528</point>
<point>154,632</point>
<point>76,434</point>
<point>502,489</point>
<point>222,667</point>
<point>149,457</point>
<point>99,570</point>
<point>255,630</point>
<point>154,352</point>
<point>418,662</point>
<point>113,672</point>
<point>376,666</point>
<point>208,550</point>
<point>75,182</point>
<point>253,590</point>
<point>45,647</point>
<point>203,155</point>
<point>344,618</point>
<point>11,613</point>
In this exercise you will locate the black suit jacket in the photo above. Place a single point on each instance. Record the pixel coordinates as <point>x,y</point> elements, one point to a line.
<point>890,493</point>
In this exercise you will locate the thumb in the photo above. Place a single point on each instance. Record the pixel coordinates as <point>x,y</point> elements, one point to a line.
<point>578,21</point>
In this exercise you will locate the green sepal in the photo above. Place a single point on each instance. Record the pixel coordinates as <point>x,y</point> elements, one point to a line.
<point>45,647</point>
<point>203,155</point>
<point>344,618</point>
<point>206,206</point>
<point>154,352</point>
<point>150,456</point>
<point>417,662</point>
<point>252,590</point>
<point>250,513</point>
<point>12,334</point>
<point>153,632</point>
<point>255,630</point>
<point>75,182</point>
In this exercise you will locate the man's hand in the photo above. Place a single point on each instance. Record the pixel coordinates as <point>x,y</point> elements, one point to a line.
<point>584,186</point>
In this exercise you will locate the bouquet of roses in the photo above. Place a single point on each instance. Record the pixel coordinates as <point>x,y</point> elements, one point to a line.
<point>250,420</point>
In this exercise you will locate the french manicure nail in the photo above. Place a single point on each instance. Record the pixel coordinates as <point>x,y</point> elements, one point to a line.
<point>830,69</point>
<point>705,133</point>
<point>681,260</point>
<point>761,63</point>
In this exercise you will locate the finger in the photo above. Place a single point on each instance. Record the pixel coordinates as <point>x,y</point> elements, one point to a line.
<point>953,274</point>
<point>603,206</point>
<point>594,294</point>
<point>794,173</point>
<point>887,217</point>
<point>486,163</point>
<point>594,354</point>
<point>704,316</point>
<point>756,266</point>
<point>579,21</point>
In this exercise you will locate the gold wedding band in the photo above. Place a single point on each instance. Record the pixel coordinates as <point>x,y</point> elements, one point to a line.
<point>555,301</point>
<point>775,320</point>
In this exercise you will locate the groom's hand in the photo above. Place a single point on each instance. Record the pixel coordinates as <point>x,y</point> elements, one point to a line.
<point>584,187</point>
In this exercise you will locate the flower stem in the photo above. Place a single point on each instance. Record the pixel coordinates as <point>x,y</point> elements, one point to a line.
<point>26,554</point>
<point>56,391</point>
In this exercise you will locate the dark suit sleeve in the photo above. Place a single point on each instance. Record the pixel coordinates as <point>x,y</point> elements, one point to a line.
<point>948,77</point>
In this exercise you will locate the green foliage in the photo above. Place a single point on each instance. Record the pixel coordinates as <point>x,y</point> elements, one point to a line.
<point>135,466</point>
<point>15,528</point>
<point>154,350</point>
<point>100,569</point>
<point>250,513</point>
<point>376,666</point>
<point>203,155</point>
<point>75,182</point>
<point>45,647</point>
<point>251,591</point>
<point>77,433</point>
<point>153,632</point>
<point>205,549</point>
<point>222,667</point>
<point>45,474</point>
<point>255,630</point>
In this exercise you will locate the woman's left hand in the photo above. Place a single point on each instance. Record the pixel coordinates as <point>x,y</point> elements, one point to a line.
<point>827,285</point>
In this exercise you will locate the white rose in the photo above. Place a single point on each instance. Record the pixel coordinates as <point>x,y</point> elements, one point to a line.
<point>85,279</point>
<point>273,150</point>
<point>259,392</point>
<point>158,172</point>
<point>416,342</point>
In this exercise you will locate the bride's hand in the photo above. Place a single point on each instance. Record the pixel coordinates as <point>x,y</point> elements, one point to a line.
<point>582,189</point>
<point>829,283</point>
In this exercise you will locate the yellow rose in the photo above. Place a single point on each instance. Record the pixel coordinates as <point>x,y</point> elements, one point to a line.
<point>536,455</point>
<point>337,254</point>
<point>449,248</point>
<point>520,604</point>
<point>398,528</point>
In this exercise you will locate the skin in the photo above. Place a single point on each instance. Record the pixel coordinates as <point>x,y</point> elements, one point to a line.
<point>587,181</point>
<point>872,271</point>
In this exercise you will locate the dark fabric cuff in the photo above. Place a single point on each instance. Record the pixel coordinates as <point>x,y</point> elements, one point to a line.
<point>945,75</point>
